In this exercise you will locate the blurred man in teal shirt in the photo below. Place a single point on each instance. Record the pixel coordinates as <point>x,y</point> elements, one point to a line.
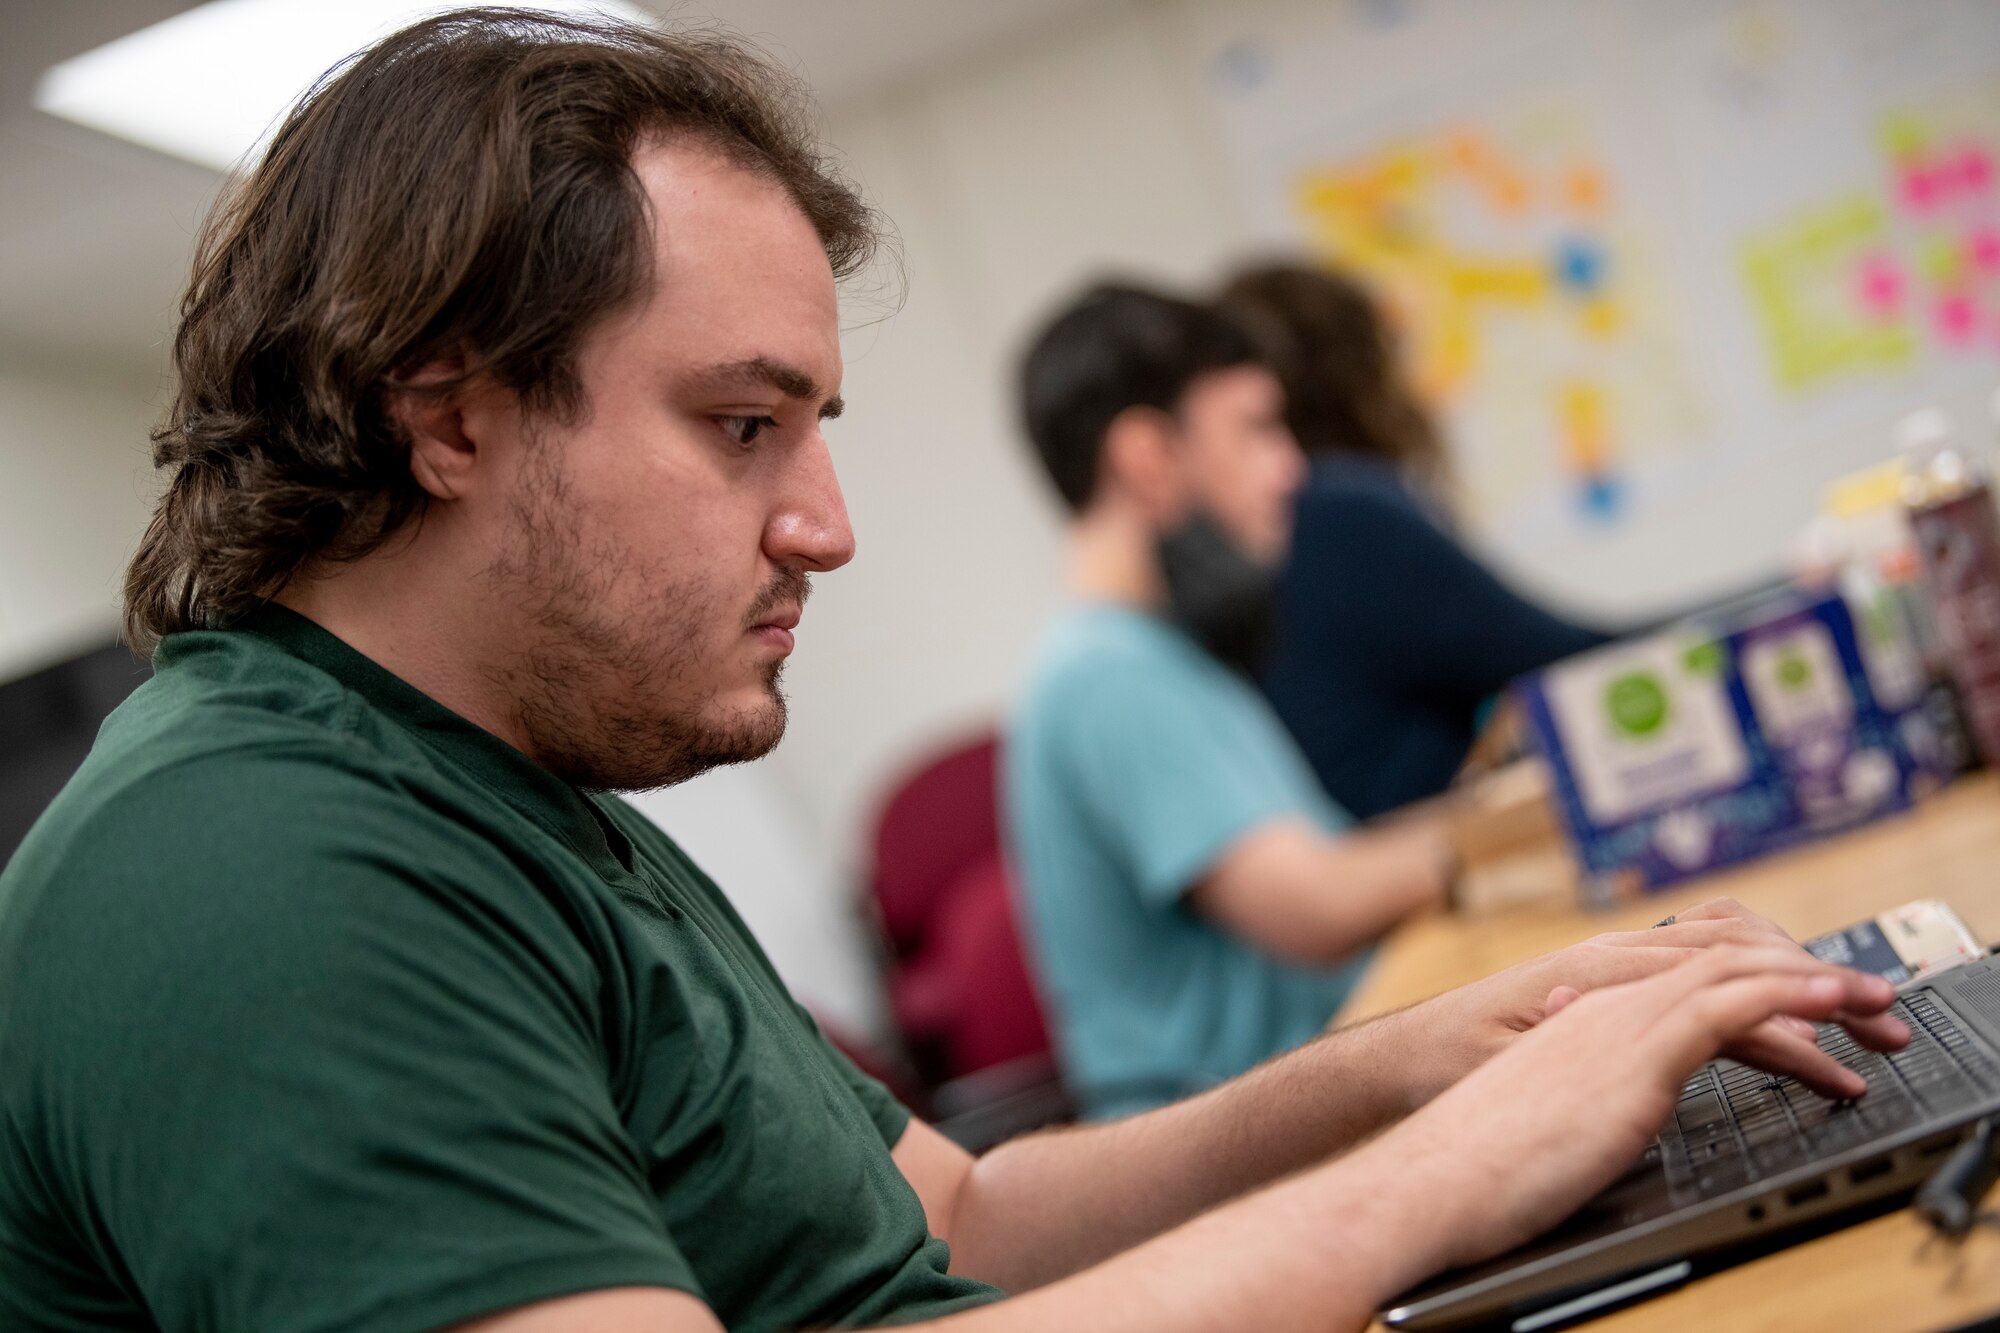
<point>1195,901</point>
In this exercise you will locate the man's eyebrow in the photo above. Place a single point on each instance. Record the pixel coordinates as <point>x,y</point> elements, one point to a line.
<point>765,371</point>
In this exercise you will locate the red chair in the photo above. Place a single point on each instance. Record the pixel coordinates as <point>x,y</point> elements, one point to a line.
<point>959,988</point>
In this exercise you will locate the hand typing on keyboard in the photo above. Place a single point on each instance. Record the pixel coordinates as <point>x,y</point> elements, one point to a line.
<point>1735,1124</point>
<point>1524,1139</point>
<point>1466,1027</point>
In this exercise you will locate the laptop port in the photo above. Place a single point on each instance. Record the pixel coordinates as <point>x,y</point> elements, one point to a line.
<point>1800,1195</point>
<point>1864,1172</point>
<point>1756,1212</point>
<point>1937,1149</point>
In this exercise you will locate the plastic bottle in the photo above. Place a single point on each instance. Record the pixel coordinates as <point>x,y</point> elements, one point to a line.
<point>1862,539</point>
<point>1957,533</point>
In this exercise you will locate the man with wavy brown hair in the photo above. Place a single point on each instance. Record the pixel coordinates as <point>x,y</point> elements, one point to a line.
<point>334,992</point>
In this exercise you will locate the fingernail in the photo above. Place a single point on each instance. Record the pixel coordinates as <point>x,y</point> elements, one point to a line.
<point>1826,988</point>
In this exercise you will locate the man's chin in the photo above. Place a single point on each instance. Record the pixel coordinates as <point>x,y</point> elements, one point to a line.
<point>738,733</point>
<point>642,755</point>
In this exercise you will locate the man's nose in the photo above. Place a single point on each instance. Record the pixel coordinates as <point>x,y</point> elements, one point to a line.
<point>810,530</point>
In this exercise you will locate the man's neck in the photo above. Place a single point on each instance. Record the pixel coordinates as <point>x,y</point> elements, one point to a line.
<point>1112,559</point>
<point>397,607</point>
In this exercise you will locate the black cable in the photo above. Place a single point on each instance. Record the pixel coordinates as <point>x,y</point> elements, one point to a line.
<point>1949,1200</point>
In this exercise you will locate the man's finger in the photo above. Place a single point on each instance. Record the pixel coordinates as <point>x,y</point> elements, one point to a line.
<point>1776,1050</point>
<point>1878,1032</point>
<point>1865,1019</point>
<point>1699,933</point>
<point>1683,933</point>
<point>1728,909</point>
<point>1699,1023</point>
<point>1871,994</point>
<point>1560,999</point>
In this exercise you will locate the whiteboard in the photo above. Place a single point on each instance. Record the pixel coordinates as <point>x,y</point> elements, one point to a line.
<point>1665,267</point>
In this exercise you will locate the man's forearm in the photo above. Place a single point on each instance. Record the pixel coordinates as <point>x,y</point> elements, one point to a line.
<point>1374,879</point>
<point>1300,895</point>
<point>1319,1252</point>
<point>1051,1204</point>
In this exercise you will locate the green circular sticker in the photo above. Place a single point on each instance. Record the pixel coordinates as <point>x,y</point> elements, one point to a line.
<point>1794,672</point>
<point>1637,703</point>
<point>1703,659</point>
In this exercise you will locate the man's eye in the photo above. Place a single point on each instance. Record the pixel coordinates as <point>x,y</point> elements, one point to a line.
<point>745,430</point>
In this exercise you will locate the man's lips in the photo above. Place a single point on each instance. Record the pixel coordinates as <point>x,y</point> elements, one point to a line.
<point>784,618</point>
<point>776,629</point>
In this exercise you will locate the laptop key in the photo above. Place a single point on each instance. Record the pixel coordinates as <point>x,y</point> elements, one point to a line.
<point>1766,1132</point>
<point>1701,1111</point>
<point>1781,1155</point>
<point>1842,1129</point>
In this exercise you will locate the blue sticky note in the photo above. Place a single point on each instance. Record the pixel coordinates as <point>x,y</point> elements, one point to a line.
<point>1602,497</point>
<point>1579,265</point>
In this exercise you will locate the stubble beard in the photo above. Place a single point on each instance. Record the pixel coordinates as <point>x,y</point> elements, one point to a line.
<point>609,702</point>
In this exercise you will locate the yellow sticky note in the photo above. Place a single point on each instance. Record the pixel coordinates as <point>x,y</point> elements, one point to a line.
<point>1800,282</point>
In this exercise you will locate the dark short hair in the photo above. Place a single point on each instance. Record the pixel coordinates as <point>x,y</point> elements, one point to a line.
<point>463,186</point>
<point>1324,334</point>
<point>1114,348</point>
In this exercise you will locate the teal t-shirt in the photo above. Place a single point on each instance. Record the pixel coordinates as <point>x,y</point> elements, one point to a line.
<point>322,1008</point>
<point>1135,760</point>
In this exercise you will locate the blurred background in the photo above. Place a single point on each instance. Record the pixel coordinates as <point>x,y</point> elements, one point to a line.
<point>1664,266</point>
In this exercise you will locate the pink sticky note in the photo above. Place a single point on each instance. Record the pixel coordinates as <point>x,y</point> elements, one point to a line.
<point>1881,285</point>
<point>1957,320</point>
<point>1975,169</point>
<point>1918,189</point>
<point>1982,247</point>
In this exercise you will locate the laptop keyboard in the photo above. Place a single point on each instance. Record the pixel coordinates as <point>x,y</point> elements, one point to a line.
<point>1739,1124</point>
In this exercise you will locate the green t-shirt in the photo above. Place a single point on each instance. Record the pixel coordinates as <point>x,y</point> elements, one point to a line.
<point>321,1008</point>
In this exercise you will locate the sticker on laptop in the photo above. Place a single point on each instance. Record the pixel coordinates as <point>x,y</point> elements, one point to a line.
<point>1906,944</point>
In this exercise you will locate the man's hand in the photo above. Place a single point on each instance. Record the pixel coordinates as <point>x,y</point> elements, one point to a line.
<point>1521,1142</point>
<point>1462,1029</point>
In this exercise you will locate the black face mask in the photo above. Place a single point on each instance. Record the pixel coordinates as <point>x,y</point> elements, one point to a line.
<point>1224,599</point>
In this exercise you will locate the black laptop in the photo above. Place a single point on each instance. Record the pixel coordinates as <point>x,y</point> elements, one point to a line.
<point>1749,1161</point>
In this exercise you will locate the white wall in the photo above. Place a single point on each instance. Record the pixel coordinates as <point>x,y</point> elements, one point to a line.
<point>75,491</point>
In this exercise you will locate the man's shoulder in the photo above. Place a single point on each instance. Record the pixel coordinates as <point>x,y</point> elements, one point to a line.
<point>1119,697</point>
<point>224,702</point>
<point>211,824</point>
<point>246,877</point>
<point>1090,655</point>
<point>266,733</point>
<point>221,794</point>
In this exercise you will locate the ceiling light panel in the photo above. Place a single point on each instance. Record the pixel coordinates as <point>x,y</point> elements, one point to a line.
<point>211,84</point>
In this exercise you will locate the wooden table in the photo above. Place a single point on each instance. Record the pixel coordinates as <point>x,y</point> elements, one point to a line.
<point>1867,1278</point>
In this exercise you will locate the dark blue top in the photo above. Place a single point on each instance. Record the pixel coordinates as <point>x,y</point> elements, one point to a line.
<point>1390,638</point>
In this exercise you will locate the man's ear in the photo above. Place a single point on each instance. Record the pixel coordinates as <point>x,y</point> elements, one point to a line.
<point>428,407</point>
<point>1140,461</point>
